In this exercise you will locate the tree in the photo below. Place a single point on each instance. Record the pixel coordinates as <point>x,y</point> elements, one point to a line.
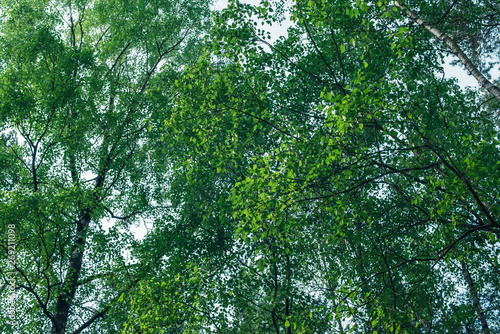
<point>80,87</point>
<point>333,181</point>
<point>361,181</point>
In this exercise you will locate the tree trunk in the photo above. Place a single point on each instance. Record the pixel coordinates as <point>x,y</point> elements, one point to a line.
<point>287,300</point>
<point>65,299</point>
<point>475,297</point>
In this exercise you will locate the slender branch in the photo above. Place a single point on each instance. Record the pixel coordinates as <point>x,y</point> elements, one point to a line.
<point>289,60</point>
<point>118,57</point>
<point>93,277</point>
<point>447,12</point>
<point>337,84</point>
<point>103,312</point>
<point>273,311</point>
<point>102,36</point>
<point>123,218</point>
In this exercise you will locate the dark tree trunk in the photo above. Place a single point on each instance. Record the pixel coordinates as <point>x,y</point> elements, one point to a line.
<point>475,297</point>
<point>65,299</point>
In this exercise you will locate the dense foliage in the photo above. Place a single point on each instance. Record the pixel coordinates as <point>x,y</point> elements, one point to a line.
<point>79,85</point>
<point>332,181</point>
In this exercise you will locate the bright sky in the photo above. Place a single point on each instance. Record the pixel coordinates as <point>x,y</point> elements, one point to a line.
<point>276,30</point>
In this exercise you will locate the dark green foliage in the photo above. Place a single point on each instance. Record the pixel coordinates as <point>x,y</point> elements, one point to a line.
<point>331,181</point>
<point>358,176</point>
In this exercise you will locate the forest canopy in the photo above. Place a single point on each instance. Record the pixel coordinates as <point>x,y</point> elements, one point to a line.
<point>332,180</point>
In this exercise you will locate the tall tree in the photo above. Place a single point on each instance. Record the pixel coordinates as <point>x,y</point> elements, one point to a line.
<point>363,181</point>
<point>79,85</point>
